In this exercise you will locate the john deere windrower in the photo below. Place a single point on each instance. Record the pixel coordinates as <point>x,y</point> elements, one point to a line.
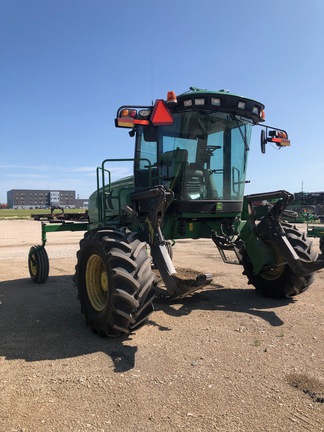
<point>190,162</point>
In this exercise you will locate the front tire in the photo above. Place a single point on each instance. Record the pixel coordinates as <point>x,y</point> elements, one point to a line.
<point>281,282</point>
<point>114,281</point>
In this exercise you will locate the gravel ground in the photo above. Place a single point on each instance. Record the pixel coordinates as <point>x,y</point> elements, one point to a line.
<point>224,359</point>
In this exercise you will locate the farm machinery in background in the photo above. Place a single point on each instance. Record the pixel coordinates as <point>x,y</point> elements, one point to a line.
<point>189,174</point>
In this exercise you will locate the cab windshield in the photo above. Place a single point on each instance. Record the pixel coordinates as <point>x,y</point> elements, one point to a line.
<point>202,156</point>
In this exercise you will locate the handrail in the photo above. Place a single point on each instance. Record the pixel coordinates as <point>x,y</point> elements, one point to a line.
<point>101,198</point>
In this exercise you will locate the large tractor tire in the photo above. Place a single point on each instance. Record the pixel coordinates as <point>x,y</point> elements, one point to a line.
<point>281,282</point>
<point>114,281</point>
<point>38,264</point>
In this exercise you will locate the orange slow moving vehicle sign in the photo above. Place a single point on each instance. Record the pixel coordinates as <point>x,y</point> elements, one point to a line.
<point>161,116</point>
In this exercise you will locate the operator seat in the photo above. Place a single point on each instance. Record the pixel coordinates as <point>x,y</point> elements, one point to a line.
<point>199,183</point>
<point>194,182</point>
<point>173,164</point>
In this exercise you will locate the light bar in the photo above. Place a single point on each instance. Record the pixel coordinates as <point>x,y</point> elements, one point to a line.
<point>129,117</point>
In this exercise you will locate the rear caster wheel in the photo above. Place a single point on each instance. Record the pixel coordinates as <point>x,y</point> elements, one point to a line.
<point>38,264</point>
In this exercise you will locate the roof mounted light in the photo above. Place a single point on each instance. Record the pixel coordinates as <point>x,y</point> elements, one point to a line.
<point>255,110</point>
<point>171,98</point>
<point>200,101</point>
<point>215,101</point>
<point>124,113</point>
<point>187,103</point>
<point>128,113</point>
<point>241,105</point>
<point>144,113</point>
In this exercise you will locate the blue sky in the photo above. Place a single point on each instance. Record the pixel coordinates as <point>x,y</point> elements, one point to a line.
<point>66,67</point>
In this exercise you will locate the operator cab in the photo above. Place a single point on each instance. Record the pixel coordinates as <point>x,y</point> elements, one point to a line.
<point>201,156</point>
<point>195,144</point>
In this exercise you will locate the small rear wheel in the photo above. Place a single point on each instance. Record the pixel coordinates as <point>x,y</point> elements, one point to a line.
<point>114,281</point>
<point>280,281</point>
<point>38,264</point>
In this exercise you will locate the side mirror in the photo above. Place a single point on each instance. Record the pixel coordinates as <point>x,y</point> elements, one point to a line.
<point>278,137</point>
<point>263,141</point>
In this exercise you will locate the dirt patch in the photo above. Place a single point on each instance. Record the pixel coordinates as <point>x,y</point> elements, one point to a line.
<point>313,387</point>
<point>223,359</point>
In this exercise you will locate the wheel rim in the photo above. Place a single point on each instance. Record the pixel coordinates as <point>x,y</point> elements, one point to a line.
<point>280,261</point>
<point>97,282</point>
<point>32,264</point>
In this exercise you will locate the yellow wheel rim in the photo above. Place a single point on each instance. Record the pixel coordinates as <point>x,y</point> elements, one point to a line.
<point>97,285</point>
<point>280,261</point>
<point>32,265</point>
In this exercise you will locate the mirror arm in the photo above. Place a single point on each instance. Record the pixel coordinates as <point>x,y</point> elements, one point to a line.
<point>264,139</point>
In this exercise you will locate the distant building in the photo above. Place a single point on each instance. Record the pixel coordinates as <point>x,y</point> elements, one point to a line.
<point>30,198</point>
<point>82,203</point>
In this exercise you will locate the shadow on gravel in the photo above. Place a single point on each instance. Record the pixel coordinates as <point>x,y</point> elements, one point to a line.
<point>44,322</point>
<point>218,298</point>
